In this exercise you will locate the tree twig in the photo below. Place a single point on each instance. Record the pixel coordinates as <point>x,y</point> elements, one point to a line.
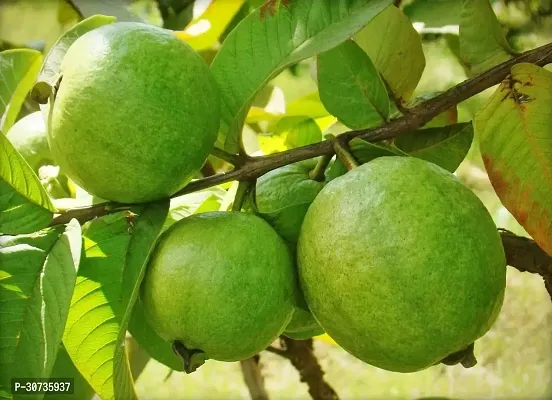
<point>253,378</point>
<point>300,354</point>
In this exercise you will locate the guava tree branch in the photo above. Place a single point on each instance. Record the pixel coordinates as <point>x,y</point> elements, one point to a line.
<point>253,378</point>
<point>300,354</point>
<point>252,167</point>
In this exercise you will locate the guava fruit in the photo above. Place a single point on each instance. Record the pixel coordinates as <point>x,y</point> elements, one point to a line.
<point>28,136</point>
<point>401,264</point>
<point>220,283</point>
<point>282,198</point>
<point>136,113</point>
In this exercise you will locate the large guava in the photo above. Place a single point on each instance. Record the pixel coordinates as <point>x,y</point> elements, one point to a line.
<point>221,283</point>
<point>282,198</point>
<point>28,136</point>
<point>136,113</point>
<point>401,264</point>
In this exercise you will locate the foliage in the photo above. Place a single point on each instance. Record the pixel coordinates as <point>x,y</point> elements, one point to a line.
<point>293,75</point>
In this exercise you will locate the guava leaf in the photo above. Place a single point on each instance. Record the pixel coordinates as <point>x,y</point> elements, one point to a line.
<point>446,146</point>
<point>434,13</point>
<point>301,133</point>
<point>64,368</point>
<point>351,88</point>
<point>260,47</point>
<point>194,203</point>
<point>52,62</point>
<point>514,129</point>
<point>118,9</point>
<point>144,334</point>
<point>395,48</point>
<point>482,42</point>
<point>37,277</point>
<point>204,31</point>
<point>24,204</point>
<point>309,105</point>
<point>18,70</point>
<point>117,248</point>
<point>365,151</point>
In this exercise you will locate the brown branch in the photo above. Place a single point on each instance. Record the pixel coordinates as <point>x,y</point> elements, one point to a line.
<point>254,167</point>
<point>253,379</point>
<point>300,354</point>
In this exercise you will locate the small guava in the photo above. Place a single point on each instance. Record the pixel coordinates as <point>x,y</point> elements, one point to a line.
<point>136,113</point>
<point>282,198</point>
<point>219,284</point>
<point>28,136</point>
<point>401,264</point>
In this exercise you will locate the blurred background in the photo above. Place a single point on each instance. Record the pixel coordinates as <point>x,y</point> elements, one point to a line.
<point>514,358</point>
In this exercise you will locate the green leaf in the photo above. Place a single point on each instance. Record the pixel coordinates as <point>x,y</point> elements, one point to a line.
<point>37,276</point>
<point>482,42</point>
<point>395,47</point>
<point>434,13</point>
<point>261,47</point>
<point>194,203</point>
<point>150,341</point>
<point>445,146</point>
<point>64,368</point>
<point>514,129</point>
<point>117,248</point>
<point>52,62</point>
<point>18,71</point>
<point>365,151</point>
<point>117,9</point>
<point>351,88</point>
<point>301,133</point>
<point>24,204</point>
<point>447,117</point>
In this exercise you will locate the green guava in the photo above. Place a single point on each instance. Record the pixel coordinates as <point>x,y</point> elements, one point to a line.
<point>28,136</point>
<point>136,113</point>
<point>401,264</point>
<point>221,283</point>
<point>282,198</point>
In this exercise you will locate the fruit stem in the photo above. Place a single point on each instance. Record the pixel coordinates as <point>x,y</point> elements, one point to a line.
<point>192,358</point>
<point>343,153</point>
<point>318,173</point>
<point>243,189</point>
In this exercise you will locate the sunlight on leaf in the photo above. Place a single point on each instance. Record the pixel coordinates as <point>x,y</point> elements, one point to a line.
<point>264,46</point>
<point>18,71</point>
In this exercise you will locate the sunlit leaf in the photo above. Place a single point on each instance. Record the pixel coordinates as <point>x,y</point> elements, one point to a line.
<point>18,71</point>
<point>351,88</point>
<point>202,201</point>
<point>117,248</point>
<point>261,47</point>
<point>64,368</point>
<point>482,42</point>
<point>203,32</point>
<point>514,129</point>
<point>306,106</point>
<point>303,133</point>
<point>24,204</point>
<point>446,146</point>
<point>37,277</point>
<point>396,50</point>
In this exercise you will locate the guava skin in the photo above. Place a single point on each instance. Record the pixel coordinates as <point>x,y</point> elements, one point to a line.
<point>401,264</point>
<point>28,136</point>
<point>220,282</point>
<point>136,113</point>
<point>282,198</point>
